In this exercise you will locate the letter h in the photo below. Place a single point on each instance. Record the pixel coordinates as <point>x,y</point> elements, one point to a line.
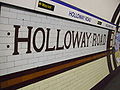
<point>16,40</point>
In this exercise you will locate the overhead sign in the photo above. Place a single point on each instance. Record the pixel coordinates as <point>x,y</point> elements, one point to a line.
<point>79,16</point>
<point>63,9</point>
<point>66,10</point>
<point>99,23</point>
<point>46,6</point>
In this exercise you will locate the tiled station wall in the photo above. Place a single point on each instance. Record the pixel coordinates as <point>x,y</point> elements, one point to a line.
<point>11,16</point>
<point>80,78</point>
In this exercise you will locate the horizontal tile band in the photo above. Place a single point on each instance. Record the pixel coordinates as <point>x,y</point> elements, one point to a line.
<point>44,13</point>
<point>31,75</point>
<point>80,10</point>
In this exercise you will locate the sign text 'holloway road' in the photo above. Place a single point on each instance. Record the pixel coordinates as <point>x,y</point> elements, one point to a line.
<point>74,39</point>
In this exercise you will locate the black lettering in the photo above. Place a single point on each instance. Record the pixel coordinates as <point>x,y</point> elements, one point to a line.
<point>76,39</point>
<point>83,41</point>
<point>47,42</point>
<point>34,37</point>
<point>67,33</point>
<point>16,40</point>
<point>101,39</point>
<point>94,43</point>
<point>88,37</point>
<point>98,40</point>
<point>57,46</point>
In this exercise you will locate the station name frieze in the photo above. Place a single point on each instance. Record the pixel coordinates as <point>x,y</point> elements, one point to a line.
<point>71,39</point>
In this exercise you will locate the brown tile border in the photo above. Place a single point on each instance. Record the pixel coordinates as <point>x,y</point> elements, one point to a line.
<point>23,78</point>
